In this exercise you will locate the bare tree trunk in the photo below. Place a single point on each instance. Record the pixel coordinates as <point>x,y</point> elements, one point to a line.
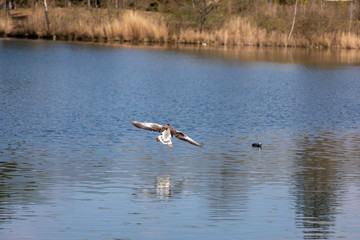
<point>204,14</point>
<point>13,4</point>
<point>229,7</point>
<point>67,3</point>
<point>203,8</point>
<point>89,3</point>
<point>293,23</point>
<point>351,15</point>
<point>109,10</point>
<point>35,5</point>
<point>7,7</point>
<point>47,15</point>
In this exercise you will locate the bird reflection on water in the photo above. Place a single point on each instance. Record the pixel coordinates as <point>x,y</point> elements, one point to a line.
<point>161,189</point>
<point>163,186</point>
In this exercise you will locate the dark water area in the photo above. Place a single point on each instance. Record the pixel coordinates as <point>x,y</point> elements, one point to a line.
<point>73,167</point>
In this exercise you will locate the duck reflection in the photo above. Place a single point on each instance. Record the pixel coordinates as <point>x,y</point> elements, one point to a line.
<point>163,186</point>
<point>316,185</point>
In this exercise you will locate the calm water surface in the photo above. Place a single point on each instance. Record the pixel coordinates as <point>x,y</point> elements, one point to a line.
<point>73,167</point>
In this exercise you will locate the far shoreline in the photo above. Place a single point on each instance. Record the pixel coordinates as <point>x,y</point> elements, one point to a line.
<point>279,30</point>
<point>326,57</point>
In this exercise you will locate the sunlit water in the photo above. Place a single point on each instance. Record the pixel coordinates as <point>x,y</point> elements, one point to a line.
<point>73,167</point>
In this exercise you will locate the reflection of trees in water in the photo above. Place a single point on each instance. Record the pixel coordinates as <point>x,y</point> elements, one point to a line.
<point>28,174</point>
<point>228,182</point>
<point>228,193</point>
<point>316,185</point>
<point>18,186</point>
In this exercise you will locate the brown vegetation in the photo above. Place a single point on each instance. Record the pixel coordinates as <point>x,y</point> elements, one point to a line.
<point>267,24</point>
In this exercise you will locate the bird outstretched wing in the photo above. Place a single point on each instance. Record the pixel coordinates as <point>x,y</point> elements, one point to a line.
<point>184,137</point>
<point>160,128</point>
<point>147,126</point>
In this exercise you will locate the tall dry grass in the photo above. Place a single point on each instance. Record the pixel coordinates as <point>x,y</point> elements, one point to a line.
<point>5,25</point>
<point>239,31</point>
<point>134,26</point>
<point>348,40</point>
<point>83,24</point>
<point>235,31</point>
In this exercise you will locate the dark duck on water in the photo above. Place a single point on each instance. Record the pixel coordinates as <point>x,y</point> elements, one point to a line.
<point>257,145</point>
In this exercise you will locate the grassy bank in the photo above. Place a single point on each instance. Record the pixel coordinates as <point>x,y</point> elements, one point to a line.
<point>265,25</point>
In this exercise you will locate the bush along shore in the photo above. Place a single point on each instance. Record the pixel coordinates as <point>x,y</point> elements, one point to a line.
<point>294,23</point>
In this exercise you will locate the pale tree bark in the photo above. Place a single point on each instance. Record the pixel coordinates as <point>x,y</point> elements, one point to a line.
<point>13,4</point>
<point>351,14</point>
<point>47,15</point>
<point>293,23</point>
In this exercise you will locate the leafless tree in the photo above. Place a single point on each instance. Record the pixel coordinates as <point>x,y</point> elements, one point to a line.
<point>203,8</point>
<point>35,5</point>
<point>7,6</point>
<point>293,23</point>
<point>47,15</point>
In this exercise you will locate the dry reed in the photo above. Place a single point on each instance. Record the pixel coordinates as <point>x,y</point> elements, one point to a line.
<point>349,40</point>
<point>96,25</point>
<point>5,25</point>
<point>238,31</point>
<point>133,26</point>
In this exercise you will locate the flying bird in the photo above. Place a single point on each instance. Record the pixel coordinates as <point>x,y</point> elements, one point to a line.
<point>167,132</point>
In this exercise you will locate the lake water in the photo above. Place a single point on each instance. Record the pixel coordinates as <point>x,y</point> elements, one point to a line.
<point>73,167</point>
